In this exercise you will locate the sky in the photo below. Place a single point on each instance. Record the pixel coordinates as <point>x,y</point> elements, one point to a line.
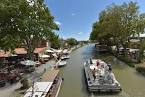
<point>75,17</point>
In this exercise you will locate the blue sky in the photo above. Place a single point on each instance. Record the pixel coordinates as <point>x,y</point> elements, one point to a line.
<point>75,17</point>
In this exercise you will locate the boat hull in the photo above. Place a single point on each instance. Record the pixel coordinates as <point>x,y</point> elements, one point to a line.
<point>98,87</point>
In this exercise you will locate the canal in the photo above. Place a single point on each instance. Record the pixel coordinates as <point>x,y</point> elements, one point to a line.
<point>133,84</point>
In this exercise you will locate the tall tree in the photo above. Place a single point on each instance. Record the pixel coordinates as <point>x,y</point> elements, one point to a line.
<point>25,22</point>
<point>117,23</point>
<point>72,42</point>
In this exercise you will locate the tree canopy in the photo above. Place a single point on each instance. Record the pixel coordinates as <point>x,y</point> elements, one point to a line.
<point>72,42</point>
<point>25,23</point>
<point>117,23</point>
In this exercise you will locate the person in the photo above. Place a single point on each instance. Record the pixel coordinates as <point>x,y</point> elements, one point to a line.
<point>94,73</point>
<point>44,69</point>
<point>91,61</point>
<point>98,63</point>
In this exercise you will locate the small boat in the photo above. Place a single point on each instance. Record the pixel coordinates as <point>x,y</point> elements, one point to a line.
<point>65,54</point>
<point>99,77</point>
<point>62,63</point>
<point>48,87</point>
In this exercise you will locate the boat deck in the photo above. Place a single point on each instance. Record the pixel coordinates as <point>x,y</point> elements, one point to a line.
<point>99,84</point>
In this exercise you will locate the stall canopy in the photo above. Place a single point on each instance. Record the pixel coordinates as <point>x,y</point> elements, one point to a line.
<point>58,51</point>
<point>44,56</point>
<point>28,63</point>
<point>49,51</point>
<point>65,51</point>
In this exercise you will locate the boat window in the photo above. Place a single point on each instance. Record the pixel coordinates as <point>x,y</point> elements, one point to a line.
<point>36,95</point>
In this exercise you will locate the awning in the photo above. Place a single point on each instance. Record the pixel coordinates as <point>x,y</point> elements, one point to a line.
<point>44,56</point>
<point>49,51</point>
<point>133,50</point>
<point>58,51</point>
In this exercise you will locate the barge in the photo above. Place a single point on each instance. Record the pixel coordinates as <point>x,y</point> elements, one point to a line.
<point>99,77</point>
<point>49,85</point>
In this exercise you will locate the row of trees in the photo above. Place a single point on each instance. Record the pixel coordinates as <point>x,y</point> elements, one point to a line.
<point>25,23</point>
<point>117,24</point>
<point>72,42</point>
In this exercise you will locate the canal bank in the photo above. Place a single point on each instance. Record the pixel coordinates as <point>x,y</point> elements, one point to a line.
<point>74,82</point>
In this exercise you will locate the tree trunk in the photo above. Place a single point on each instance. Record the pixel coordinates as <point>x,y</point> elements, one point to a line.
<point>30,50</point>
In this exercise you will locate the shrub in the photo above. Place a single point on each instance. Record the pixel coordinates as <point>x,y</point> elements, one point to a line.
<point>126,60</point>
<point>25,83</point>
<point>141,69</point>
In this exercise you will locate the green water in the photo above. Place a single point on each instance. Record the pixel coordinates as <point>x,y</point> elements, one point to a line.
<point>133,84</point>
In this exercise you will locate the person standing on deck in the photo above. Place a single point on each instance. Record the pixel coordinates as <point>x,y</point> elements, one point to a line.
<point>94,73</point>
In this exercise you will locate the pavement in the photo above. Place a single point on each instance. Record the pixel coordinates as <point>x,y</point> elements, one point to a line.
<point>9,90</point>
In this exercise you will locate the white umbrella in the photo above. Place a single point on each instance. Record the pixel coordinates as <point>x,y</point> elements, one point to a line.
<point>49,51</point>
<point>45,56</point>
<point>28,62</point>
<point>58,51</point>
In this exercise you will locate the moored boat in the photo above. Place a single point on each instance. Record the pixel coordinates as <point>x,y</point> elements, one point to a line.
<point>65,54</point>
<point>48,87</point>
<point>61,62</point>
<point>99,77</point>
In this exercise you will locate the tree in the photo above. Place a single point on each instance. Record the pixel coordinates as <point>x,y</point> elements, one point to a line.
<point>55,41</point>
<point>117,24</point>
<point>9,36</point>
<point>72,42</point>
<point>25,23</point>
<point>25,83</point>
<point>37,24</point>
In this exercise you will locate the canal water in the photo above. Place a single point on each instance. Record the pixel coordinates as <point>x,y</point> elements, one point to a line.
<point>133,84</point>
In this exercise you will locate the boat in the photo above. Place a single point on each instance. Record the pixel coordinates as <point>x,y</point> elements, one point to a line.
<point>62,62</point>
<point>99,76</point>
<point>65,54</point>
<point>49,86</point>
<point>101,48</point>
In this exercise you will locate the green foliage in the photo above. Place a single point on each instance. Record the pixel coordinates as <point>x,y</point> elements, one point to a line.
<point>24,23</point>
<point>72,42</point>
<point>127,61</point>
<point>25,83</point>
<point>141,69</point>
<point>55,41</point>
<point>141,51</point>
<point>117,24</point>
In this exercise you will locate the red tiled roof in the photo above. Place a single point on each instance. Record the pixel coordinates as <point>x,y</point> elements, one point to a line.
<point>20,51</point>
<point>4,54</point>
<point>23,51</point>
<point>39,50</point>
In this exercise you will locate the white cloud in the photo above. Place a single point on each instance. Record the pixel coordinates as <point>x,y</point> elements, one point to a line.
<point>58,23</point>
<point>73,14</point>
<point>79,33</point>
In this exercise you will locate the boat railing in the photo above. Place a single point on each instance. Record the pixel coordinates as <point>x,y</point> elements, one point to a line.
<point>55,87</point>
